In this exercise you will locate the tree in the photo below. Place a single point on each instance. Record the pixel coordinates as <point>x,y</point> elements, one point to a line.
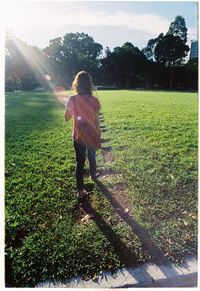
<point>191,74</point>
<point>25,65</point>
<point>80,52</point>
<point>55,60</point>
<point>152,43</point>
<point>54,50</point>
<point>178,28</point>
<point>172,49</point>
<point>124,66</point>
<point>72,53</point>
<point>169,52</point>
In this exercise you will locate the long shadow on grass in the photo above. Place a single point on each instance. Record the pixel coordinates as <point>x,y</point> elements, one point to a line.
<point>148,244</point>
<point>126,255</point>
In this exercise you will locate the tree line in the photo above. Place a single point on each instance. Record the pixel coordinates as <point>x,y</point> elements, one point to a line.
<point>160,65</point>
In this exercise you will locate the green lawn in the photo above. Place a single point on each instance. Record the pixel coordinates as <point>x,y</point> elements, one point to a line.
<point>153,136</point>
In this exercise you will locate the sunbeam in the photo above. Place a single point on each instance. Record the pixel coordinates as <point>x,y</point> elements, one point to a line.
<point>36,60</point>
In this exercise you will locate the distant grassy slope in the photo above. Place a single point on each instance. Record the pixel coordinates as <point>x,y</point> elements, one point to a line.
<point>153,136</point>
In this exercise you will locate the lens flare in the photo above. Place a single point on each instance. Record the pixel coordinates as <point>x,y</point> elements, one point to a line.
<point>60,93</point>
<point>48,77</point>
<point>38,66</point>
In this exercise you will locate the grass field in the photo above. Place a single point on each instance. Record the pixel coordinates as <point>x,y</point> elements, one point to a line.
<point>153,137</point>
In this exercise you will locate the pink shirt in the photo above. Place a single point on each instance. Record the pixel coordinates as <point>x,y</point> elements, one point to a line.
<point>82,108</point>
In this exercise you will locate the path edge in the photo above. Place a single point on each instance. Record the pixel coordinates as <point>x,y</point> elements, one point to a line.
<point>146,275</point>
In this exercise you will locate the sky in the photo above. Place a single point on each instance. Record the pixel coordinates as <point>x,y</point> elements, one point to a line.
<point>110,23</point>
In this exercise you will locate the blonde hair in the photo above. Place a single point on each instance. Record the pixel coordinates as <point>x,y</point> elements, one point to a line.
<point>82,83</point>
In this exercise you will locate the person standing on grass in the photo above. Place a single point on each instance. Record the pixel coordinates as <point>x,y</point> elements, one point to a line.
<point>84,108</point>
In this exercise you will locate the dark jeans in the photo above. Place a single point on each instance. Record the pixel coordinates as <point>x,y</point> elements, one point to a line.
<point>80,150</point>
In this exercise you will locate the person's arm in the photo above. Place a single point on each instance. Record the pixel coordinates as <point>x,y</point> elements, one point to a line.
<point>68,115</point>
<point>69,109</point>
<point>96,115</point>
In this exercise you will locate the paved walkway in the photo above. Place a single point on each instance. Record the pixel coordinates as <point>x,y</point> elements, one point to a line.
<point>147,275</point>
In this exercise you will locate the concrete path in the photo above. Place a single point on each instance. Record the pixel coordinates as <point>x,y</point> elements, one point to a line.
<point>147,275</point>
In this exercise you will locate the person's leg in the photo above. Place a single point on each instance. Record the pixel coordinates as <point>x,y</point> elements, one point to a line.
<point>92,161</point>
<point>80,150</point>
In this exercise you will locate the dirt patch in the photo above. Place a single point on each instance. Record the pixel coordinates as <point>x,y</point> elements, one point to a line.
<point>82,214</point>
<point>119,192</point>
<point>114,180</point>
<point>116,185</point>
<point>108,157</point>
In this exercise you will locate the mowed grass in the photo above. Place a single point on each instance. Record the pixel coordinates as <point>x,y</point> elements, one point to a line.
<point>45,238</point>
<point>153,137</point>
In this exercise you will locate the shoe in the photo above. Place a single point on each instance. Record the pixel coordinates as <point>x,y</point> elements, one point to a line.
<point>94,177</point>
<point>81,194</point>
